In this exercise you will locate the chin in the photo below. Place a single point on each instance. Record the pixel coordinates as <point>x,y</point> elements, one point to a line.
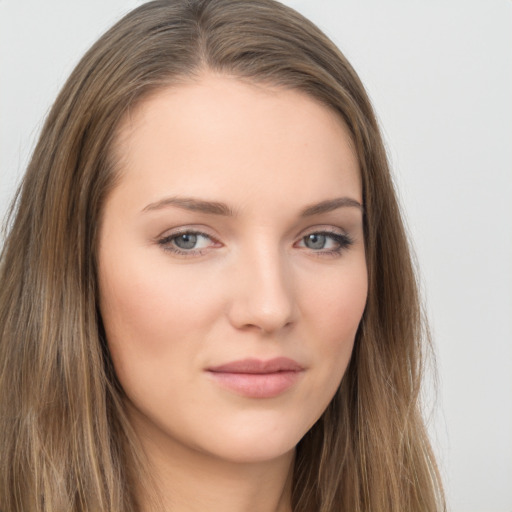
<point>258,441</point>
<point>247,451</point>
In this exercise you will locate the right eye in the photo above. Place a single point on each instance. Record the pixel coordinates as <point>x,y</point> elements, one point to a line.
<point>187,243</point>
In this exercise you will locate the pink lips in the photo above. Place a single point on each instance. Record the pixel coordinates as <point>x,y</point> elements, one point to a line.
<point>254,378</point>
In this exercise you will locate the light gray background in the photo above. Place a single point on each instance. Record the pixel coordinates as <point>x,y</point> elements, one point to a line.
<point>440,76</point>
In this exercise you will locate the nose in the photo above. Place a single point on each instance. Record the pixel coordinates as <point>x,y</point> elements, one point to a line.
<point>263,298</point>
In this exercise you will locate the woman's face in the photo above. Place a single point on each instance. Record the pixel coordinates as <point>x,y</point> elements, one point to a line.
<point>231,266</point>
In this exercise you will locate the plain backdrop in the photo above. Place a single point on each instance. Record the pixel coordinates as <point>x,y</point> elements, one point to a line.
<point>440,76</point>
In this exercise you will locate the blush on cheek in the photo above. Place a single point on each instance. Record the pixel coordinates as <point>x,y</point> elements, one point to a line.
<point>343,316</point>
<point>343,301</point>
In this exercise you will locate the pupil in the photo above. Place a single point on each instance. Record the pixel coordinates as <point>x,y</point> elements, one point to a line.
<point>315,241</point>
<point>186,241</point>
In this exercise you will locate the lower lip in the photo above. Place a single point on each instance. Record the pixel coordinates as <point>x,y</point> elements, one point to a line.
<point>257,385</point>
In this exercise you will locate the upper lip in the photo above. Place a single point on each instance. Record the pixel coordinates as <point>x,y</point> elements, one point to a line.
<point>258,366</point>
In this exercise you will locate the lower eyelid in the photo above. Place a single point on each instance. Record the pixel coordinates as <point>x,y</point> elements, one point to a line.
<point>342,240</point>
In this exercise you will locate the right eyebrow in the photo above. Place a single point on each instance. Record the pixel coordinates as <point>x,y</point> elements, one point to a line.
<point>191,204</point>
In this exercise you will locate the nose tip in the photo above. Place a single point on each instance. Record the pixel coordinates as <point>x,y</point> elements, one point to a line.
<point>263,298</point>
<point>267,316</point>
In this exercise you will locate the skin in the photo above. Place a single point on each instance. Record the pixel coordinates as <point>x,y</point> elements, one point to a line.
<point>253,286</point>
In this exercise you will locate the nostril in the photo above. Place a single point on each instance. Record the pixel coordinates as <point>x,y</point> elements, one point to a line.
<point>255,312</point>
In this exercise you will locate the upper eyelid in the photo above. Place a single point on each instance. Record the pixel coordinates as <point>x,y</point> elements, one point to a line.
<point>172,232</point>
<point>169,233</point>
<point>206,231</point>
<point>328,229</point>
<point>334,234</point>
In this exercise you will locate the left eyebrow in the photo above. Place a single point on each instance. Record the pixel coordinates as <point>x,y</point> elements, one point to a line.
<point>329,205</point>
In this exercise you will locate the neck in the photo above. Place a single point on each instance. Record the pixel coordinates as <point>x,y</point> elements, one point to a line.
<point>189,480</point>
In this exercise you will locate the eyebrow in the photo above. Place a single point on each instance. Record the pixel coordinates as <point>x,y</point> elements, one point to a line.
<point>216,208</point>
<point>329,205</point>
<point>192,204</point>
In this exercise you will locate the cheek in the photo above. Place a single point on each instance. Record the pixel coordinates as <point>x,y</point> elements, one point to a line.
<point>156,316</point>
<point>334,314</point>
<point>138,308</point>
<point>149,302</point>
<point>153,327</point>
<point>338,303</point>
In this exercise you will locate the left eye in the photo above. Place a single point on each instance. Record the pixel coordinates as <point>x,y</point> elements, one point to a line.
<point>325,241</point>
<point>190,241</point>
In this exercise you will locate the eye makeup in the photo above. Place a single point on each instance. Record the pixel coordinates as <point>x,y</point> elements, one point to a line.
<point>326,242</point>
<point>189,242</point>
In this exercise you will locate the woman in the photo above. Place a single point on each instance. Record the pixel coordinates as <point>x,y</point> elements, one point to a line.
<point>207,297</point>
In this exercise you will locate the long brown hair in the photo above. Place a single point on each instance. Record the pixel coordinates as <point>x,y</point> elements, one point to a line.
<point>65,443</point>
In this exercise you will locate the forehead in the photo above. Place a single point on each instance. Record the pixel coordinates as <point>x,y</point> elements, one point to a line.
<point>218,135</point>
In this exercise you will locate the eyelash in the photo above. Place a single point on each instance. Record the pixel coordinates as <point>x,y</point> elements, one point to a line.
<point>343,242</point>
<point>166,242</point>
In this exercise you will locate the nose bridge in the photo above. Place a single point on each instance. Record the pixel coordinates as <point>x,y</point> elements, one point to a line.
<point>263,295</point>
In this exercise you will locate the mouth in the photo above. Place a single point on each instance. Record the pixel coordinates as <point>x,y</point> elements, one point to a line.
<point>254,378</point>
